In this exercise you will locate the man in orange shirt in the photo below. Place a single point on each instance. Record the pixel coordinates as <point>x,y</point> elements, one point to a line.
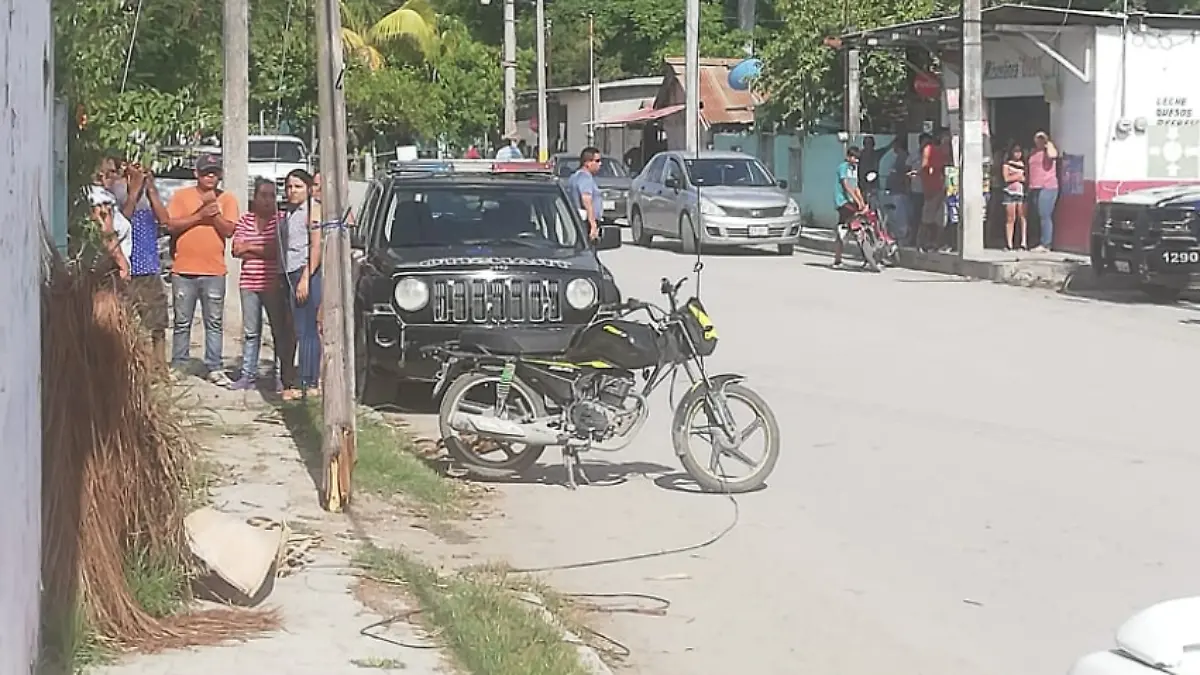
<point>201,219</point>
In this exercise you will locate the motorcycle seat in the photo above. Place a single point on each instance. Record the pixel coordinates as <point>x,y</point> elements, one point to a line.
<point>510,341</point>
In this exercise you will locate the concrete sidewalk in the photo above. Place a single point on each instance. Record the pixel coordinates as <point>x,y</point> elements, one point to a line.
<point>1056,270</point>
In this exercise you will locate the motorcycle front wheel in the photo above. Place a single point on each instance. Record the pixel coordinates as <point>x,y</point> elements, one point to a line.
<point>488,457</point>
<point>694,419</point>
<point>869,248</point>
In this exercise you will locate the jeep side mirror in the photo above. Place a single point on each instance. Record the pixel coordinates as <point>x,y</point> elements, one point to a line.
<point>610,238</point>
<point>782,184</point>
<point>356,239</point>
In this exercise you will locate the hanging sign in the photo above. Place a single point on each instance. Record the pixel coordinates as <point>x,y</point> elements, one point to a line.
<point>926,85</point>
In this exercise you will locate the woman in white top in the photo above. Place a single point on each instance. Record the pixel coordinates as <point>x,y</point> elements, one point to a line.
<point>116,228</point>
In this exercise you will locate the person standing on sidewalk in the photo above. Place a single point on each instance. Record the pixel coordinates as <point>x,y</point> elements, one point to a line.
<point>897,190</point>
<point>1043,186</point>
<point>255,242</point>
<point>583,192</point>
<point>933,189</point>
<point>140,202</point>
<point>201,219</point>
<point>300,243</point>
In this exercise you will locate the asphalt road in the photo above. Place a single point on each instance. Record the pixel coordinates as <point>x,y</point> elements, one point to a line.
<point>976,479</point>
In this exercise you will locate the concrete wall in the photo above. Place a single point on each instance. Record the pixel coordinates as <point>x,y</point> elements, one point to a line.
<point>26,180</point>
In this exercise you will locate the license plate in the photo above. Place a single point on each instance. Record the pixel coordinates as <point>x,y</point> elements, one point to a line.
<point>1181,257</point>
<point>1122,266</point>
<point>609,205</point>
<point>760,231</point>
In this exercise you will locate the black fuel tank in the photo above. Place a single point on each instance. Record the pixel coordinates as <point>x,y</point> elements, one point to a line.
<point>625,344</point>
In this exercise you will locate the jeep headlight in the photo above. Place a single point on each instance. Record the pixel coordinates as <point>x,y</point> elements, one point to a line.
<point>581,293</point>
<point>411,294</point>
<point>793,209</point>
<point>708,208</point>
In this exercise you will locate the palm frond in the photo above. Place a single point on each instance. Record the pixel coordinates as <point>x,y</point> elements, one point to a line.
<point>362,50</point>
<point>414,21</point>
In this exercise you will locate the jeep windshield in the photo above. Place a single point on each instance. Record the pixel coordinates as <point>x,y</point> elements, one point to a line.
<point>284,152</point>
<point>456,214</point>
<point>728,172</point>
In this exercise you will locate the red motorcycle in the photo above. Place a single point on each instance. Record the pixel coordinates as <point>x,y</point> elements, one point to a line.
<point>878,247</point>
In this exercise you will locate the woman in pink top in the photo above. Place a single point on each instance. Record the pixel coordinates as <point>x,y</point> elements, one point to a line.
<point>1043,185</point>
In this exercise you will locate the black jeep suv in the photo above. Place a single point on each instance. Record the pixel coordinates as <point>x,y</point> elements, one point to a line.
<point>445,246</point>
<point>1152,236</point>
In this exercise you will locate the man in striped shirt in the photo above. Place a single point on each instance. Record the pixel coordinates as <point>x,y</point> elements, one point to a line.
<point>256,243</point>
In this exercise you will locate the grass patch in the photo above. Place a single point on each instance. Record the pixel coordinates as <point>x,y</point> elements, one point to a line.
<point>387,465</point>
<point>69,645</point>
<point>159,585</point>
<point>483,624</point>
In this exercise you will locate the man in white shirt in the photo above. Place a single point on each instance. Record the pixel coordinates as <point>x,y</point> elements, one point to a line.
<point>118,231</point>
<point>510,152</point>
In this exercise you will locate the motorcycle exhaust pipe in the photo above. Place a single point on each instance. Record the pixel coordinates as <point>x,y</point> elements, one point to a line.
<point>507,430</point>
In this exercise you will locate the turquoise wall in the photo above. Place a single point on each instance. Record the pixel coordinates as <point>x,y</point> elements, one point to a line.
<point>818,155</point>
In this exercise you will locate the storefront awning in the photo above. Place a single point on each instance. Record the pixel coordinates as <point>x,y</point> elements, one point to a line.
<point>639,116</point>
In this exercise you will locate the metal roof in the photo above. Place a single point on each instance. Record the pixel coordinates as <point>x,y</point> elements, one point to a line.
<point>926,32</point>
<point>603,86</point>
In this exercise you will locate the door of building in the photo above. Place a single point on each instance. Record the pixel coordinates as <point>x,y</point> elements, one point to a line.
<point>1012,120</point>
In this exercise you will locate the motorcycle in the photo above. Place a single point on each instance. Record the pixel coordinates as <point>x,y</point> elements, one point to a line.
<point>504,403</point>
<point>877,245</point>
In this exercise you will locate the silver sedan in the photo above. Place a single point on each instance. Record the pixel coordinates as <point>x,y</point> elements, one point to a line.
<point>713,198</point>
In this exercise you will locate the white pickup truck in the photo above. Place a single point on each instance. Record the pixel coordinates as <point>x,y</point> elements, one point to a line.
<point>273,157</point>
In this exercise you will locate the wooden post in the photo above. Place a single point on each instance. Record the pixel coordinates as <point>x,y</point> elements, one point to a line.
<point>26,181</point>
<point>338,439</point>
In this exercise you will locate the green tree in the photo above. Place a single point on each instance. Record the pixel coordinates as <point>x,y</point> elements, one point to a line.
<point>413,24</point>
<point>804,75</point>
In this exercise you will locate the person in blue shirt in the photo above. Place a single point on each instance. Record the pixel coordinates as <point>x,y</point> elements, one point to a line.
<point>848,199</point>
<point>585,195</point>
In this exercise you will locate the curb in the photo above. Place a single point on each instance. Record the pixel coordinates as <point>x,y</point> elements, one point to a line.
<point>1057,274</point>
<point>589,658</point>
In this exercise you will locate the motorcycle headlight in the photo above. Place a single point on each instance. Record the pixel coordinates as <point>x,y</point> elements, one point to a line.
<point>710,209</point>
<point>793,209</point>
<point>411,294</point>
<point>581,293</point>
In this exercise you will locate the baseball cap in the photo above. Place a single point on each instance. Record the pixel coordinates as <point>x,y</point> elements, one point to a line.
<point>208,162</point>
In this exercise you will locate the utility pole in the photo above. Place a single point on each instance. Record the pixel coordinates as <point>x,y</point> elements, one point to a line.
<point>26,180</point>
<point>338,432</point>
<point>542,132</point>
<point>510,67</point>
<point>970,176</point>
<point>236,109</point>
<point>692,76</point>
<point>592,97</point>
<point>853,97</point>
<point>747,18</point>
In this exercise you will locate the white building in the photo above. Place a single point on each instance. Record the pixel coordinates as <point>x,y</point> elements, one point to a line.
<point>570,108</point>
<point>1117,93</point>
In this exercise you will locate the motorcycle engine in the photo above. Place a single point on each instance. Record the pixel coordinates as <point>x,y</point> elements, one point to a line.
<point>599,401</point>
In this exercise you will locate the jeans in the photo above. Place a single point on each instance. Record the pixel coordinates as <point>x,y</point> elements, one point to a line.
<point>253,305</point>
<point>1046,199</point>
<point>304,318</point>
<point>898,215</point>
<point>916,206</point>
<point>210,292</point>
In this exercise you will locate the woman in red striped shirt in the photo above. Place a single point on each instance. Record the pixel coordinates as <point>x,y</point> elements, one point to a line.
<point>254,241</point>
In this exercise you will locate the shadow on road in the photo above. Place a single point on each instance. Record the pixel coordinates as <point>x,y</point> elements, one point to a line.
<point>681,482</point>
<point>601,474</point>
<point>304,426</point>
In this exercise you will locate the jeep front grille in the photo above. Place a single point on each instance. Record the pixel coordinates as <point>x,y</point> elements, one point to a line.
<point>496,301</point>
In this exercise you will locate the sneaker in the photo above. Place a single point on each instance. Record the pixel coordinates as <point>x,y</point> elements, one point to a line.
<point>243,384</point>
<point>219,378</point>
<point>837,264</point>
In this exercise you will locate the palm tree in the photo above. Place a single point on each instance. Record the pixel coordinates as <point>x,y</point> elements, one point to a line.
<point>413,22</point>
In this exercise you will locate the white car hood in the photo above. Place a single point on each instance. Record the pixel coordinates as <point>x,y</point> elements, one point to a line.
<point>1164,637</point>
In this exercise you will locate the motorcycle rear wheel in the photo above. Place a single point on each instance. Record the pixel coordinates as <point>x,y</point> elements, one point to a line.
<point>470,452</point>
<point>682,426</point>
<point>869,248</point>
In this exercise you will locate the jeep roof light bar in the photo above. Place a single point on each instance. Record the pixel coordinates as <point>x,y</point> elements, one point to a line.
<point>466,166</point>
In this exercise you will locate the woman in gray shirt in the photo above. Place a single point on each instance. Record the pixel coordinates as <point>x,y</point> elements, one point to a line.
<point>300,246</point>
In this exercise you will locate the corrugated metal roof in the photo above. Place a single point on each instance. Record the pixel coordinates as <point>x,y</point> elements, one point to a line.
<point>720,103</point>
